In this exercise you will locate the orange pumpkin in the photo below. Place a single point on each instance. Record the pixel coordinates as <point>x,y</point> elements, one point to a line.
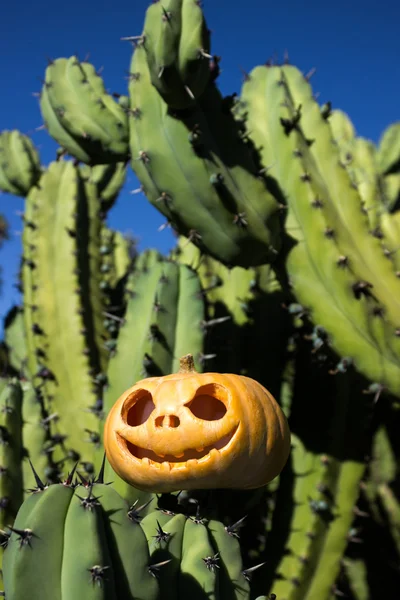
<point>194,430</point>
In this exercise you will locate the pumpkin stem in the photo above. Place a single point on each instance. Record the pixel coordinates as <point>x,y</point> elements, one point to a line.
<point>186,364</point>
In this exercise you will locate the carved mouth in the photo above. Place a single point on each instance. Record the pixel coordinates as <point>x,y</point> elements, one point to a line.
<point>186,458</point>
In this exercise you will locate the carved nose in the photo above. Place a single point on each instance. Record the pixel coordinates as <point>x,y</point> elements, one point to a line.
<point>167,421</point>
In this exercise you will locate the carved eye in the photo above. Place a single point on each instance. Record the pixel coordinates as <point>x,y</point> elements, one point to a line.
<point>209,403</point>
<point>138,408</point>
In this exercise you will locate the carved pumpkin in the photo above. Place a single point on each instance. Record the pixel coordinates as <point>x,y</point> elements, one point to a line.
<point>194,430</point>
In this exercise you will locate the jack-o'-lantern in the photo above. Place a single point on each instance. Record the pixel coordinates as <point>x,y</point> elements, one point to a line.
<point>193,430</point>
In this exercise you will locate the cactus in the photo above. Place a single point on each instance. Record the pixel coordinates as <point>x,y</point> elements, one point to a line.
<point>177,44</point>
<point>82,541</point>
<point>66,359</point>
<point>332,271</point>
<point>248,305</point>
<point>20,167</point>
<point>109,180</point>
<point>286,270</point>
<point>389,150</point>
<point>14,337</point>
<point>80,115</point>
<point>11,480</point>
<point>202,156</point>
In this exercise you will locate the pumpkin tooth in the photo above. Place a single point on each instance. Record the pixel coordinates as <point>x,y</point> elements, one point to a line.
<point>146,460</point>
<point>179,455</point>
<point>213,453</point>
<point>160,455</point>
<point>192,462</point>
<point>166,466</point>
<point>200,449</point>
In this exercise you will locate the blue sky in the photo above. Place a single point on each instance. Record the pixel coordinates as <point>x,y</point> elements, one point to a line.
<point>354,45</point>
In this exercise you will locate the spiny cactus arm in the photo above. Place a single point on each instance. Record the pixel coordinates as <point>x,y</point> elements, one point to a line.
<point>109,180</point>
<point>177,44</point>
<point>124,251</point>
<point>194,49</point>
<point>127,365</point>
<point>14,336</point>
<point>232,584</point>
<point>83,109</point>
<point>118,256</point>
<point>165,541</point>
<point>107,266</point>
<point>389,150</point>
<point>29,285</point>
<point>128,548</point>
<point>83,544</point>
<point>391,186</point>
<point>199,574</point>
<point>228,286</point>
<point>343,130</point>
<point>389,224</point>
<point>36,546</point>
<point>253,333</point>
<point>61,313</point>
<point>189,328</point>
<point>329,442</point>
<point>336,540</point>
<point>11,482</point>
<point>51,118</point>
<point>20,167</point>
<point>391,506</point>
<point>34,437</point>
<point>291,569</point>
<point>231,213</point>
<point>320,274</point>
<point>88,573</point>
<point>156,324</point>
<point>357,575</point>
<point>340,199</point>
<point>88,228</point>
<point>360,162</point>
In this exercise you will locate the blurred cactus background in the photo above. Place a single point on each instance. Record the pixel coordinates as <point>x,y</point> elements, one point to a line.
<point>200,194</point>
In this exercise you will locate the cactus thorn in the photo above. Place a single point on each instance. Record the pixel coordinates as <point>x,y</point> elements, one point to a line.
<point>132,38</point>
<point>310,73</point>
<point>161,535</point>
<point>154,569</point>
<point>211,562</point>
<point>97,574</point>
<point>233,530</point>
<point>213,322</point>
<point>89,502</point>
<point>248,573</point>
<point>70,476</point>
<point>134,513</point>
<point>100,476</point>
<point>25,536</point>
<point>376,389</point>
<point>204,357</point>
<point>40,486</point>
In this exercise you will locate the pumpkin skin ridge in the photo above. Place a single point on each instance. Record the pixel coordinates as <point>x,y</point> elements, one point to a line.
<point>285,438</point>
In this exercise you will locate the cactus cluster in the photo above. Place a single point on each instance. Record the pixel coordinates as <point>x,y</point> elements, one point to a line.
<point>286,269</point>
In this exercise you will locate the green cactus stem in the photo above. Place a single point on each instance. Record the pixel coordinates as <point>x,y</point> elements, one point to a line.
<point>78,113</point>
<point>201,156</point>
<point>20,167</point>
